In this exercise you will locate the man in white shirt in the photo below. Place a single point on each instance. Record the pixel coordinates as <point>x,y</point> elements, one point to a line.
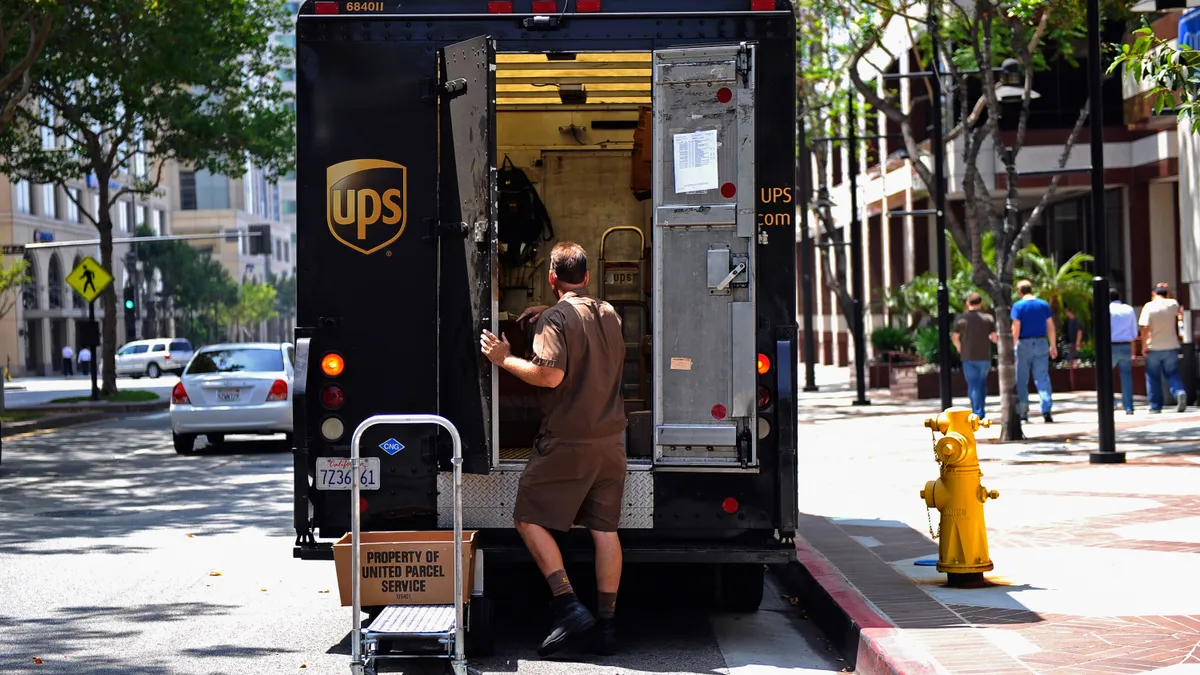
<point>1160,332</point>
<point>85,362</point>
<point>1124,324</point>
<point>68,361</point>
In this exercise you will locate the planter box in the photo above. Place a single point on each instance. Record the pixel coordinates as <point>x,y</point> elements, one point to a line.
<point>1082,378</point>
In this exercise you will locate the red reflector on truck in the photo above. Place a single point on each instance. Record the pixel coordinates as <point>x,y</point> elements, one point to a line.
<point>326,7</point>
<point>587,6</point>
<point>545,7</point>
<point>762,5</point>
<point>500,8</point>
<point>332,397</point>
<point>730,505</point>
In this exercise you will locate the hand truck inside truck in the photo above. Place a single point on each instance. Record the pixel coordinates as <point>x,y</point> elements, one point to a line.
<point>435,623</point>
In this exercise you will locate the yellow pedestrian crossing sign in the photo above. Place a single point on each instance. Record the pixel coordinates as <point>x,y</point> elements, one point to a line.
<point>89,279</point>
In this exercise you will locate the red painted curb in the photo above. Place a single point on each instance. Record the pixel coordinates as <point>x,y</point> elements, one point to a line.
<point>883,649</point>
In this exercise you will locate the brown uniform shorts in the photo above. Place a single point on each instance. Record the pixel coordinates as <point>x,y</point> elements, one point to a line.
<point>573,483</point>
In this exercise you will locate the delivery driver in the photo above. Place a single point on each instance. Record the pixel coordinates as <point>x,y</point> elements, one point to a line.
<point>576,474</point>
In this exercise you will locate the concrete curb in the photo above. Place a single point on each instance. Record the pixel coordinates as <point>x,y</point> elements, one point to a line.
<point>870,642</point>
<point>52,422</point>
<point>98,406</point>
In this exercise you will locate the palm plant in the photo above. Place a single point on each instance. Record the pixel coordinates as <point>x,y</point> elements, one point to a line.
<point>1064,286</point>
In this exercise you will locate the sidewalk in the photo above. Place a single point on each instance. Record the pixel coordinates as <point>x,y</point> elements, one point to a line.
<point>1097,568</point>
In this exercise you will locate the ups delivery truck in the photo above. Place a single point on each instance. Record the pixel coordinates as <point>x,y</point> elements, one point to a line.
<point>659,134</point>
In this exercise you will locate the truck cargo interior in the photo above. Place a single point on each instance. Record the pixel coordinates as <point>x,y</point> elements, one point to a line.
<point>577,126</point>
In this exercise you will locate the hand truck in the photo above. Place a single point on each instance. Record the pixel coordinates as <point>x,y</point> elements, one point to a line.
<point>622,285</point>
<point>442,623</point>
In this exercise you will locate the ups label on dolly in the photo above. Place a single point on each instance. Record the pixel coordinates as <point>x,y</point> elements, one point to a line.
<point>403,573</point>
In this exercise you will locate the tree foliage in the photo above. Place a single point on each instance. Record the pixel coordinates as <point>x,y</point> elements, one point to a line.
<point>1172,74</point>
<point>859,40</point>
<point>197,288</point>
<point>126,88</point>
<point>24,29</point>
<point>13,278</point>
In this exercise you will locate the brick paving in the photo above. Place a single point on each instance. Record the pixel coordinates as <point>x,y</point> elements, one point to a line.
<point>1097,567</point>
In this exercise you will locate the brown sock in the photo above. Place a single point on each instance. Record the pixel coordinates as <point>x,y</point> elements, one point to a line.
<point>606,605</point>
<point>559,584</point>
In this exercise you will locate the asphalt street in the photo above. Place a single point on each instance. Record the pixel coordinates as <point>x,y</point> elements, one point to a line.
<point>118,556</point>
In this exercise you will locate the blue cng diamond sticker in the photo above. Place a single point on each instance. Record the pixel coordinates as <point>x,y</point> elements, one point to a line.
<point>391,446</point>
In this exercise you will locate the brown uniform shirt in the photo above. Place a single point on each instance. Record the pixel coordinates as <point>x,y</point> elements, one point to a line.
<point>581,336</point>
<point>975,330</point>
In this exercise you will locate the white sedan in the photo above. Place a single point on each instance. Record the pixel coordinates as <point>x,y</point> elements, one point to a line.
<point>240,388</point>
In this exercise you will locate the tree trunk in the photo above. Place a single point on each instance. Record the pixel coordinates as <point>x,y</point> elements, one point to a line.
<point>108,299</point>
<point>1010,411</point>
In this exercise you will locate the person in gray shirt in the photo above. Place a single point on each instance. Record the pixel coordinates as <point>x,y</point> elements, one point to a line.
<point>974,334</point>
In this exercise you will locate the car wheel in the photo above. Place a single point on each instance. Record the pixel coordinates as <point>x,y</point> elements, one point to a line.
<point>153,370</point>
<point>185,444</point>
<point>215,439</point>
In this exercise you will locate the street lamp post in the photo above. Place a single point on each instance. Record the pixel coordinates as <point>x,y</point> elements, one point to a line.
<point>806,268</point>
<point>856,271</point>
<point>939,205</point>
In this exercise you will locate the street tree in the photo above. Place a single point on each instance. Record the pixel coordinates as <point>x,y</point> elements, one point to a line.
<point>976,38</point>
<point>127,88</point>
<point>13,278</point>
<point>24,29</point>
<point>255,304</point>
<point>1172,73</point>
<point>197,288</point>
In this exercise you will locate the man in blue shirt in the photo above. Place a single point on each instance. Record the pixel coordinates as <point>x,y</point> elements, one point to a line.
<point>1124,332</point>
<point>1033,333</point>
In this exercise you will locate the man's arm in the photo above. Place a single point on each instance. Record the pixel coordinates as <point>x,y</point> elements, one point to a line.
<point>1016,329</point>
<point>538,376</point>
<point>1052,337</point>
<point>957,341</point>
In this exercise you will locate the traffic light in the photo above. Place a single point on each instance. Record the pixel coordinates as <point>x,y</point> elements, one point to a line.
<point>130,313</point>
<point>260,239</point>
<point>129,303</point>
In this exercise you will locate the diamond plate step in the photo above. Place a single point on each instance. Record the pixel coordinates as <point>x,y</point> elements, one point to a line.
<point>414,620</point>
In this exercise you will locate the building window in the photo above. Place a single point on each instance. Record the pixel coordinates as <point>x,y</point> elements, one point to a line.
<point>72,205</point>
<point>96,207</point>
<point>278,249</point>
<point>287,252</point>
<point>24,197</point>
<point>49,201</point>
<point>156,222</point>
<point>289,207</point>
<point>286,40</point>
<point>139,216</point>
<point>202,190</point>
<point>123,216</point>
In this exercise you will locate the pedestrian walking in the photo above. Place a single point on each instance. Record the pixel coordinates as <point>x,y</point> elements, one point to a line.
<point>1073,334</point>
<point>68,361</point>
<point>576,471</point>
<point>974,334</point>
<point>1033,333</point>
<point>85,362</point>
<point>1160,334</point>
<point>1124,323</point>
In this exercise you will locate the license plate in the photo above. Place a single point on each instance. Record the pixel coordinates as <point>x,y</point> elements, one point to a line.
<point>228,395</point>
<point>337,473</point>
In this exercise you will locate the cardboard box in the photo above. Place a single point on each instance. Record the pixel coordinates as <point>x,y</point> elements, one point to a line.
<point>406,568</point>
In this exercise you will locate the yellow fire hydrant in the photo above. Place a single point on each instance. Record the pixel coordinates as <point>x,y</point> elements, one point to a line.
<point>959,496</point>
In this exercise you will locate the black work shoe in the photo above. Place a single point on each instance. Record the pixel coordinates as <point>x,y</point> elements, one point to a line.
<point>571,618</point>
<point>1047,418</point>
<point>604,637</point>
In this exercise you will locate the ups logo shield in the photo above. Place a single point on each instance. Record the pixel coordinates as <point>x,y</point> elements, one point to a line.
<point>368,203</point>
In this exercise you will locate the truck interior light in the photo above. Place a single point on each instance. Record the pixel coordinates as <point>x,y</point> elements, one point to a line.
<point>764,396</point>
<point>719,412</point>
<point>332,397</point>
<point>324,7</point>
<point>730,505</point>
<point>179,395</point>
<point>764,428</point>
<point>333,364</point>
<point>332,428</point>
<point>500,7</point>
<point>764,364</point>
<point>278,391</point>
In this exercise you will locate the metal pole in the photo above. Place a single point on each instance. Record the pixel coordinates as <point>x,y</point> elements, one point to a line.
<point>939,199</point>
<point>95,349</point>
<point>1101,328</point>
<point>856,271</point>
<point>806,267</point>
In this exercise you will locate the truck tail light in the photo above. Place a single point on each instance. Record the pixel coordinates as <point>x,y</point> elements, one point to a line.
<point>333,364</point>
<point>504,7</point>
<point>179,395</point>
<point>332,428</point>
<point>587,6</point>
<point>278,391</point>
<point>764,396</point>
<point>730,505</point>
<point>545,6</point>
<point>764,364</point>
<point>762,5</point>
<point>333,397</point>
<point>323,7</point>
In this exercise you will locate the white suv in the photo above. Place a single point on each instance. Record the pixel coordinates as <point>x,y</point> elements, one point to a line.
<point>153,357</point>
